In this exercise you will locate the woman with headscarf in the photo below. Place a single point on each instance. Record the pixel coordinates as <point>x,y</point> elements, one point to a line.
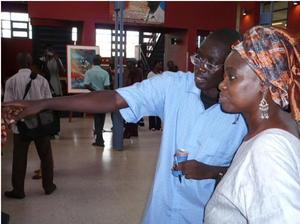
<point>262,81</point>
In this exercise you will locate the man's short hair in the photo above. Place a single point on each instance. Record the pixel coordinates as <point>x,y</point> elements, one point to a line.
<point>227,37</point>
<point>97,59</point>
<point>24,59</point>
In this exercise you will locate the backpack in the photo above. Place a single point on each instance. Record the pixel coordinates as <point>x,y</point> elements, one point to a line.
<point>40,125</point>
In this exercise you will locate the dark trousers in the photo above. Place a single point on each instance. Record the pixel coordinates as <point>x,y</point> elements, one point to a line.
<point>99,120</point>
<point>20,151</point>
<point>154,123</point>
<point>131,129</point>
<point>4,218</point>
<point>56,123</point>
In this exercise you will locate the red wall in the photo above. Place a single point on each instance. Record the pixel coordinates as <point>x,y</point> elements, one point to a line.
<point>188,15</point>
<point>252,18</point>
<point>200,15</point>
<point>9,50</point>
<point>294,19</point>
<point>195,16</point>
<point>176,53</point>
<point>88,12</point>
<point>191,16</point>
<point>97,11</point>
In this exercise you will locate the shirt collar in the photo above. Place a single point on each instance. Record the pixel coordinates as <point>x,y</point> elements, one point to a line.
<point>24,70</point>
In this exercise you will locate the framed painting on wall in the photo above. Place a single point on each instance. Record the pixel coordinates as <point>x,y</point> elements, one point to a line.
<point>79,60</point>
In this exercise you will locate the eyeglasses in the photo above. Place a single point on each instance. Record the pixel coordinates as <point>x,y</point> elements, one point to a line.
<point>200,62</point>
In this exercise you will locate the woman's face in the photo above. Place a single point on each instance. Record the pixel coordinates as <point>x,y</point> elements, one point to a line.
<point>241,88</point>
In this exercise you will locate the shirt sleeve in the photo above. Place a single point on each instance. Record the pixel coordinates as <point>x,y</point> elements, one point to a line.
<point>274,183</point>
<point>106,81</point>
<point>146,98</point>
<point>8,93</point>
<point>86,80</point>
<point>46,90</point>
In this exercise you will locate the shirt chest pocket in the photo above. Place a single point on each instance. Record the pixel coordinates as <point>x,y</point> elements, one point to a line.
<point>214,151</point>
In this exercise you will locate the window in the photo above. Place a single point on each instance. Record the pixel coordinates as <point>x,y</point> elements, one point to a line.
<point>132,40</point>
<point>279,15</point>
<point>274,13</point>
<point>200,39</point>
<point>106,40</point>
<point>149,40</point>
<point>103,40</point>
<point>74,34</point>
<point>15,24</point>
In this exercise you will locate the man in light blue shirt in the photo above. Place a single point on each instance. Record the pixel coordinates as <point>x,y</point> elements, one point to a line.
<point>188,105</point>
<point>97,79</point>
<point>209,136</point>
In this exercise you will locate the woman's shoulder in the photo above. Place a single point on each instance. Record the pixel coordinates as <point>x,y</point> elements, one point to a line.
<point>275,137</point>
<point>271,151</point>
<point>274,146</point>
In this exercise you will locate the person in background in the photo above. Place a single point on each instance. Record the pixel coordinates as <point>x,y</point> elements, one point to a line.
<point>36,68</point>
<point>156,13</point>
<point>262,80</point>
<point>154,121</point>
<point>171,66</point>
<point>188,104</point>
<point>111,72</point>
<point>97,79</point>
<point>14,90</point>
<point>51,68</point>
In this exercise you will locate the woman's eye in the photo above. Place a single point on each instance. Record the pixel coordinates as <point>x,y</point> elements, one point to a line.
<point>232,77</point>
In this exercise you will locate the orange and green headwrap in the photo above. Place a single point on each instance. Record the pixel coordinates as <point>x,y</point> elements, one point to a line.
<point>273,55</point>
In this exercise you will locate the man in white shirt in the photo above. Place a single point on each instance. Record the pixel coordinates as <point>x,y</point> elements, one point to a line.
<point>14,90</point>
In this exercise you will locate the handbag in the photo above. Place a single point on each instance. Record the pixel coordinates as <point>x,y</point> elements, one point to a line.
<point>40,125</point>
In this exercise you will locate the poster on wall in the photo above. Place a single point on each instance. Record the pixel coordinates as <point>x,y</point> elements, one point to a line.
<point>79,60</point>
<point>149,12</point>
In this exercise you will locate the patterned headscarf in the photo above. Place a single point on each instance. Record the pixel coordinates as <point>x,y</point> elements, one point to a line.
<point>273,55</point>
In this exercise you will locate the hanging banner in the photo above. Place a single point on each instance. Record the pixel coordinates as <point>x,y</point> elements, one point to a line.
<point>148,12</point>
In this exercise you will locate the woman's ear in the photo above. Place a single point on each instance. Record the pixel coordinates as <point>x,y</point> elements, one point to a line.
<point>263,87</point>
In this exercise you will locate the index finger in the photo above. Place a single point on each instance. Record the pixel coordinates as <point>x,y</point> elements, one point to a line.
<point>12,104</point>
<point>180,166</point>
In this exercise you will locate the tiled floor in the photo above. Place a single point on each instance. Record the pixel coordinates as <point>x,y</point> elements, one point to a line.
<point>94,185</point>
